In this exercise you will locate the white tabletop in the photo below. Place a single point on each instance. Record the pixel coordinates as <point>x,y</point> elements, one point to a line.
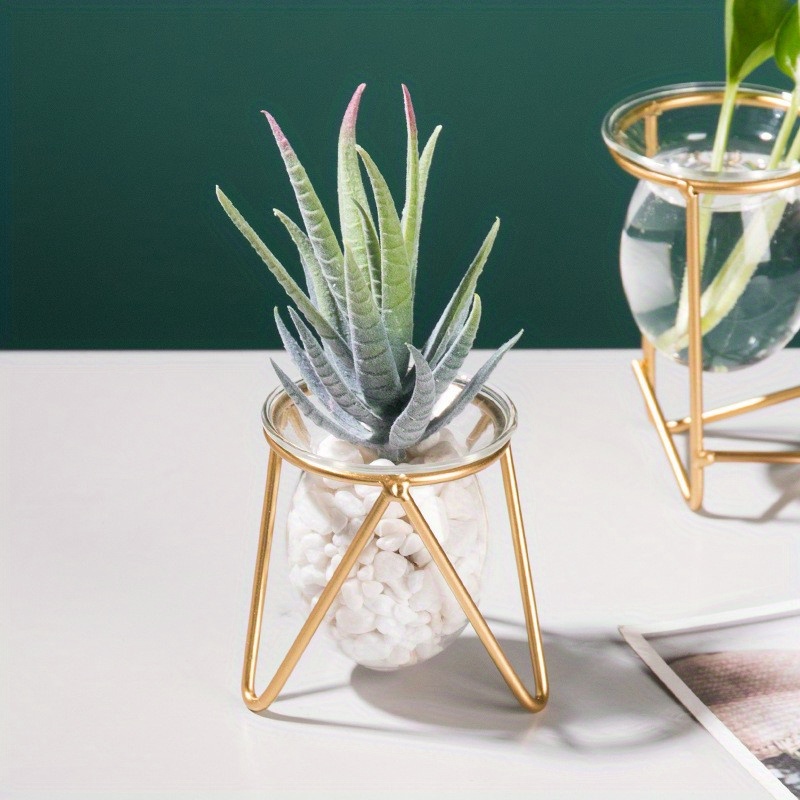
<point>131,491</point>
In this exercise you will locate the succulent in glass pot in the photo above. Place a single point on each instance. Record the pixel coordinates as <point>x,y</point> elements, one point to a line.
<point>372,400</point>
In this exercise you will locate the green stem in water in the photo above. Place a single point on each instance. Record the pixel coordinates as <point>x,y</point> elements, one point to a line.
<point>724,126</point>
<point>731,281</point>
<point>789,118</point>
<point>706,211</point>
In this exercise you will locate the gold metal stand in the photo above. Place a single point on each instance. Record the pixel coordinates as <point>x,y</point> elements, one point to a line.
<point>690,476</point>
<point>394,489</point>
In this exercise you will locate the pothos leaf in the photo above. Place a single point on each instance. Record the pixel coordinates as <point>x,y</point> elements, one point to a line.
<point>787,43</point>
<point>750,28</point>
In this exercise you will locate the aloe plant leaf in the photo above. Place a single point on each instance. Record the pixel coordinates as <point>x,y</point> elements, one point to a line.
<point>750,27</point>
<point>318,289</point>
<point>396,299</point>
<point>318,226</point>
<point>457,309</point>
<point>409,426</point>
<point>375,368</point>
<point>787,43</point>
<point>473,386</point>
<point>410,217</point>
<point>459,349</point>
<point>350,186</point>
<point>373,252</point>
<point>349,434</point>
<point>424,170</point>
<point>311,376</point>
<point>283,277</point>
<point>336,385</point>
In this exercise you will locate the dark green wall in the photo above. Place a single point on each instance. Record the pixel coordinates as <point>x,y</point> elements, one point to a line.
<point>123,116</point>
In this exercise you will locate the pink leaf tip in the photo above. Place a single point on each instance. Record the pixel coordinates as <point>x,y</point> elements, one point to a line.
<point>350,115</point>
<point>409,106</point>
<point>279,135</point>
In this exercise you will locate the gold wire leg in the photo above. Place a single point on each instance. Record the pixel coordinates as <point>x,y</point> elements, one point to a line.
<point>657,417</point>
<point>528,701</point>
<point>693,269</point>
<point>735,409</point>
<point>254,701</point>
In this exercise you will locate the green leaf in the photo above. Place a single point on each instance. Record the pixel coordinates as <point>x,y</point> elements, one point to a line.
<point>317,286</point>
<point>787,43</point>
<point>318,226</point>
<point>317,386</point>
<point>350,186</point>
<point>457,309</point>
<point>410,219</point>
<point>397,309</point>
<point>412,421</point>
<point>375,369</point>
<point>336,384</point>
<point>373,252</point>
<point>459,349</point>
<point>424,169</point>
<point>307,408</point>
<point>279,271</point>
<point>750,28</point>
<point>468,393</point>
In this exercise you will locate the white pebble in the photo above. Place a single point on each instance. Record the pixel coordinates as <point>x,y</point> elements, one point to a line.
<point>338,450</point>
<point>422,557</point>
<point>311,576</point>
<point>400,656</point>
<point>435,513</point>
<point>351,595</point>
<point>368,554</point>
<point>348,503</point>
<point>351,621</point>
<point>460,503</point>
<point>317,558</point>
<point>380,604</point>
<point>399,588</point>
<point>371,588</point>
<point>366,572</point>
<point>389,527</point>
<point>389,566</point>
<point>390,627</point>
<point>402,613</point>
<point>412,544</point>
<point>393,542</point>
<point>415,580</point>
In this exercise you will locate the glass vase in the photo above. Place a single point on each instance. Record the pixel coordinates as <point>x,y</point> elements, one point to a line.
<point>749,242</point>
<point>394,609</point>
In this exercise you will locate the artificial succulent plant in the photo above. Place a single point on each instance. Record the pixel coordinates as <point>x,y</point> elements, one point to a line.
<point>354,330</point>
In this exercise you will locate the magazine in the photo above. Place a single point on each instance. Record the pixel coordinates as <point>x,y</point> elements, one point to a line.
<point>738,673</point>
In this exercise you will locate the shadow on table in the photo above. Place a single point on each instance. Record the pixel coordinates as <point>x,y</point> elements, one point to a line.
<point>601,697</point>
<point>784,477</point>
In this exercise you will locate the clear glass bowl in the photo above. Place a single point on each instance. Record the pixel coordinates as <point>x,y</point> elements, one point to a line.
<point>750,242</point>
<point>395,609</point>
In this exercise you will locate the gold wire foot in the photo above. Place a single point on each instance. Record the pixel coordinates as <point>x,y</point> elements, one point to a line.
<point>666,430</point>
<point>396,490</point>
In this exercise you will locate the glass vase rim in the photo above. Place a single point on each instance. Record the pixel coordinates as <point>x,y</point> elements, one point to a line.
<point>611,131</point>
<point>498,404</point>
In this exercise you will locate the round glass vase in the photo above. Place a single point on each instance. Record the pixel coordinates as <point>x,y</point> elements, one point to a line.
<point>394,609</point>
<point>749,233</point>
